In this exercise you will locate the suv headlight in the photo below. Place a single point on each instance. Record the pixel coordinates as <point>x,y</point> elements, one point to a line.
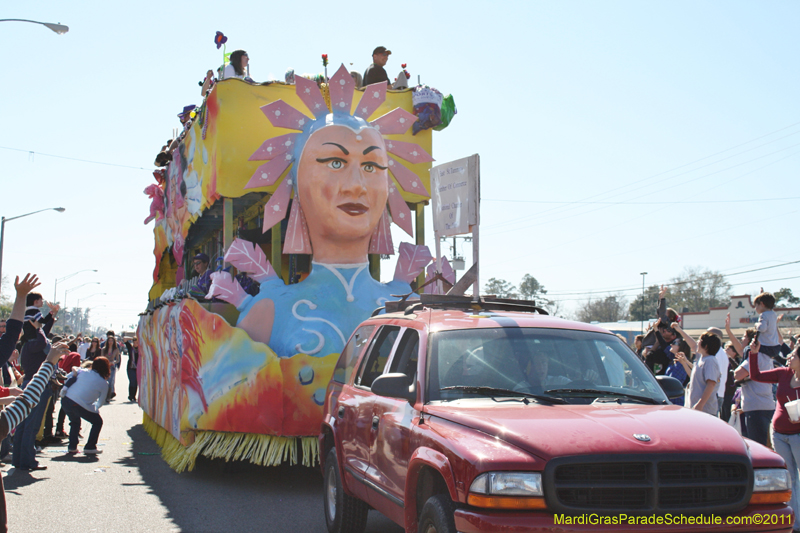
<point>507,490</point>
<point>771,485</point>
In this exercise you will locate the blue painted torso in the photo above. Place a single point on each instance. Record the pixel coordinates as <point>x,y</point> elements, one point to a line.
<point>317,315</point>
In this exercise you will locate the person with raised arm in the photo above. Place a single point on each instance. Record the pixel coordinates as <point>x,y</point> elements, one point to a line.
<point>22,406</point>
<point>758,404</point>
<point>785,431</point>
<point>35,351</point>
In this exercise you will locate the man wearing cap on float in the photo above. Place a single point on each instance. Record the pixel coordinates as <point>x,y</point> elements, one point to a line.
<point>375,72</point>
<point>203,283</point>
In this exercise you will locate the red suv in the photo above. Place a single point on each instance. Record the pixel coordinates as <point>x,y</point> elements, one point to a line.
<point>450,415</point>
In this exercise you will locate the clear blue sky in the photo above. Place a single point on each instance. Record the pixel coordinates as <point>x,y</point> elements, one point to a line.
<point>652,108</point>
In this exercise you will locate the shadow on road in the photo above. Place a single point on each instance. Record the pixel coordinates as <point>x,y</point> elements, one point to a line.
<point>20,478</point>
<point>225,497</point>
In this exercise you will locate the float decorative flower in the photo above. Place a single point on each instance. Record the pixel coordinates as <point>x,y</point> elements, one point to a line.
<point>220,39</point>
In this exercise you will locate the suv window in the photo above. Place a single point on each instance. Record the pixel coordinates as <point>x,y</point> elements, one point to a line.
<point>351,353</point>
<point>405,359</point>
<point>375,362</point>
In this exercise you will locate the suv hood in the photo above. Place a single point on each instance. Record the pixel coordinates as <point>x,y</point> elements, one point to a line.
<point>549,431</point>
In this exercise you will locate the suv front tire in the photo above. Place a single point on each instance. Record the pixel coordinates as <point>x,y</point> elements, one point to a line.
<point>343,513</point>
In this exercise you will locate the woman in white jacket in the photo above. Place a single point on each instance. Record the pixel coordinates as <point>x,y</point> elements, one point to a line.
<point>83,394</point>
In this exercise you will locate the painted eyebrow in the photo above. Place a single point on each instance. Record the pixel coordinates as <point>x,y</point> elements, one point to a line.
<point>340,147</point>
<point>371,148</point>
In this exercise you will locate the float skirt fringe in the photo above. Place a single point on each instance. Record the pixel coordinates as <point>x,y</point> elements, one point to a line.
<point>264,450</point>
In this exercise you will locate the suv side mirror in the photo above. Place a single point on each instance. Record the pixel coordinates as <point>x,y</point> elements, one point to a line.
<point>395,385</point>
<point>671,386</point>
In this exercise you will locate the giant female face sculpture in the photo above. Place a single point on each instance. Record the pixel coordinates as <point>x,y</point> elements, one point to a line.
<point>343,180</point>
<point>340,165</point>
<point>344,142</point>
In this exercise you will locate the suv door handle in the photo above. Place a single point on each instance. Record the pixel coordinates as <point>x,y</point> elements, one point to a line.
<point>375,421</point>
<point>341,411</point>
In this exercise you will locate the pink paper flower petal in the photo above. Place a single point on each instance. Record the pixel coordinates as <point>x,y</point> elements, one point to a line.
<point>374,95</point>
<point>275,210</point>
<point>409,151</point>
<point>309,93</point>
<point>341,87</point>
<point>297,239</point>
<point>227,288</point>
<point>396,121</point>
<point>381,241</point>
<point>276,146</point>
<point>401,214</point>
<point>250,258</point>
<point>447,273</point>
<point>411,261</point>
<point>409,181</point>
<point>282,115</point>
<point>267,174</point>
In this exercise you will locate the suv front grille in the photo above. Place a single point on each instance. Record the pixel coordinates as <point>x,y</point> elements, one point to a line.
<point>649,484</point>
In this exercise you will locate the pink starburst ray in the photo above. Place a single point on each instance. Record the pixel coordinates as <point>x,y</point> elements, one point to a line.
<point>409,181</point>
<point>401,214</point>
<point>275,210</point>
<point>267,174</point>
<point>274,147</point>
<point>342,88</point>
<point>408,151</point>
<point>297,239</point>
<point>282,115</point>
<point>411,261</point>
<point>381,241</point>
<point>374,95</point>
<point>396,121</point>
<point>309,93</point>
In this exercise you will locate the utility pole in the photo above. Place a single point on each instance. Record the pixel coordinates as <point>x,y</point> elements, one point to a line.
<point>643,274</point>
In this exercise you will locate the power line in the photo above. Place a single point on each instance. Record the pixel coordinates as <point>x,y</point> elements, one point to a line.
<point>625,202</point>
<point>644,180</point>
<point>31,152</point>
<point>732,285</point>
<point>638,288</point>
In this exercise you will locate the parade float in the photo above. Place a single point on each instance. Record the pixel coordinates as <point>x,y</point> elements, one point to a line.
<point>290,189</point>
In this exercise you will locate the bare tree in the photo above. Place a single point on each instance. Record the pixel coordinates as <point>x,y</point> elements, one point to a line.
<point>500,288</point>
<point>612,308</point>
<point>697,289</point>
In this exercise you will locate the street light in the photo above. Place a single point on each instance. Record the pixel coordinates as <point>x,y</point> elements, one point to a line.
<point>58,28</point>
<point>55,289</point>
<point>76,288</point>
<point>643,274</point>
<point>3,229</point>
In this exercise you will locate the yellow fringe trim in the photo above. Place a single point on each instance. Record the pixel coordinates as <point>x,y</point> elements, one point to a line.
<point>264,450</point>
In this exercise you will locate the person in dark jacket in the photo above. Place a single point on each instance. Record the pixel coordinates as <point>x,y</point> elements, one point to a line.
<point>133,361</point>
<point>35,350</point>
<point>375,72</point>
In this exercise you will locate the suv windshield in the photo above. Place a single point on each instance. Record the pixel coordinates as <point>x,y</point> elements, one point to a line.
<point>579,366</point>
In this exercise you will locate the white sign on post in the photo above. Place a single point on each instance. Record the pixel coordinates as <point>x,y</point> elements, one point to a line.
<point>456,205</point>
<point>455,196</point>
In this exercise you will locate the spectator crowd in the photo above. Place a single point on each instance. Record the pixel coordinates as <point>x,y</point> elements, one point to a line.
<point>746,381</point>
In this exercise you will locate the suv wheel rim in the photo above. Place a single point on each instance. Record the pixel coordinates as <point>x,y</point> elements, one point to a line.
<point>330,492</point>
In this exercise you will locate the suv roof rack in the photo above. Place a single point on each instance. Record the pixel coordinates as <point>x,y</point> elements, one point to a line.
<point>485,303</point>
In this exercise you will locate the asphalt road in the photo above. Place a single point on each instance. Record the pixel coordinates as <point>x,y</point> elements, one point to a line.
<point>129,488</point>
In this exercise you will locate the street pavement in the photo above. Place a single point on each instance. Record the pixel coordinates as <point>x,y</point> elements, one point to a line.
<point>129,488</point>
